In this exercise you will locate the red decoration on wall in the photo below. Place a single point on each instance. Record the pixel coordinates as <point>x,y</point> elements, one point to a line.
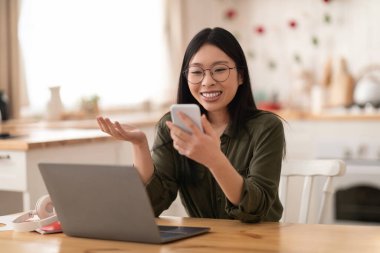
<point>230,14</point>
<point>326,1</point>
<point>260,29</point>
<point>292,24</point>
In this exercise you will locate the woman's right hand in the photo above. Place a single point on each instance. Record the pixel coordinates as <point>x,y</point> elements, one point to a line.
<point>141,154</point>
<point>121,131</point>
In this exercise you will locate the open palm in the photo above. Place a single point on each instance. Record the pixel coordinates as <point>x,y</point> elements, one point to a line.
<point>119,131</point>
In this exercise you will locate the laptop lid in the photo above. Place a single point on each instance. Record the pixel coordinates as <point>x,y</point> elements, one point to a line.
<point>106,202</point>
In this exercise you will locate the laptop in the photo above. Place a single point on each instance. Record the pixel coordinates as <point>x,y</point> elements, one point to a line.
<point>106,202</point>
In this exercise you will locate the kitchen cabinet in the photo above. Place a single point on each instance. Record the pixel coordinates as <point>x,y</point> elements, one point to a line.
<point>353,139</point>
<point>19,159</point>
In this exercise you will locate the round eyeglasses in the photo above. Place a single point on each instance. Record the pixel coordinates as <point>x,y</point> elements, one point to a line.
<point>219,73</point>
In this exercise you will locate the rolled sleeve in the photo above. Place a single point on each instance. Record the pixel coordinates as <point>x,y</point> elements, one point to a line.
<point>163,187</point>
<point>260,186</point>
<point>161,193</point>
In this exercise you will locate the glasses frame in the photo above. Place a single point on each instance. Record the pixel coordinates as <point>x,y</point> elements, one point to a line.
<point>185,73</point>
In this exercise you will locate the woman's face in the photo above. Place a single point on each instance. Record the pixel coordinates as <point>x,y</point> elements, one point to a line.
<point>212,94</point>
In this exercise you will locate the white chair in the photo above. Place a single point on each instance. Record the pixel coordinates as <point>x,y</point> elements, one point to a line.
<point>309,169</point>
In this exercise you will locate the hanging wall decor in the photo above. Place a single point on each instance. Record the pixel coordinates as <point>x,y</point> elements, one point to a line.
<point>259,29</point>
<point>293,24</point>
<point>230,14</point>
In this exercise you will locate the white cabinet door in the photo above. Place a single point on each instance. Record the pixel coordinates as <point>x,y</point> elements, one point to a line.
<point>12,170</point>
<point>19,169</point>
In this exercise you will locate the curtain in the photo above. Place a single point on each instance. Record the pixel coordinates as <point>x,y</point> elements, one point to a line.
<point>11,72</point>
<point>175,33</point>
<point>12,80</point>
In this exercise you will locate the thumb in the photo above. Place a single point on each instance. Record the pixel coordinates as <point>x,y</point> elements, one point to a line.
<point>206,125</point>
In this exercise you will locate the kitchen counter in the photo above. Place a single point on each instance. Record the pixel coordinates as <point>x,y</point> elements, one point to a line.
<point>134,118</point>
<point>67,141</point>
<point>37,134</point>
<point>81,141</point>
<point>328,116</point>
<point>43,138</point>
<point>26,135</point>
<point>21,154</point>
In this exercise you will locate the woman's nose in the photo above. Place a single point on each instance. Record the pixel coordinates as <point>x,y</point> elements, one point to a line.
<point>207,79</point>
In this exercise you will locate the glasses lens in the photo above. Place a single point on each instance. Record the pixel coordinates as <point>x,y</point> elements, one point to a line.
<point>194,74</point>
<point>220,72</point>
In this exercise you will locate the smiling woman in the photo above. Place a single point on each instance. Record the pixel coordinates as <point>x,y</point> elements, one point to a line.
<point>94,47</point>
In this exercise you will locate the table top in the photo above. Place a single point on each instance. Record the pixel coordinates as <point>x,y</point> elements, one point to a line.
<point>225,236</point>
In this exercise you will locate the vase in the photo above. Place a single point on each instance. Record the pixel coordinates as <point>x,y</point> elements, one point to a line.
<point>342,85</point>
<point>54,105</point>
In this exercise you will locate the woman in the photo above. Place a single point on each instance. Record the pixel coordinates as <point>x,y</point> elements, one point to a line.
<point>230,170</point>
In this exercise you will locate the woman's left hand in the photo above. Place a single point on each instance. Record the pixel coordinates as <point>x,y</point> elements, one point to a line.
<point>202,147</point>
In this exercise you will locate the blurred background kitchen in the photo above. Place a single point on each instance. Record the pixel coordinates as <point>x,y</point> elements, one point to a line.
<point>314,62</point>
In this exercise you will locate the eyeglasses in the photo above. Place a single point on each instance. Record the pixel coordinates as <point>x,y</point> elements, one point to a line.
<point>219,73</point>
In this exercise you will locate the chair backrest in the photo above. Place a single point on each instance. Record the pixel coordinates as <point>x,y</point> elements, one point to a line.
<point>309,169</point>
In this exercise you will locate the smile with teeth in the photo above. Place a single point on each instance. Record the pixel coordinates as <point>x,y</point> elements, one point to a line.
<point>212,94</point>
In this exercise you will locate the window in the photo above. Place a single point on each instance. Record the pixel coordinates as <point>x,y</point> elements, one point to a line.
<point>111,48</point>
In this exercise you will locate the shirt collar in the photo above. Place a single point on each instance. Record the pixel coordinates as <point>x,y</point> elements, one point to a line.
<point>228,131</point>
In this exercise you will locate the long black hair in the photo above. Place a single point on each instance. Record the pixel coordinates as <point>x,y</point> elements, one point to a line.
<point>243,106</point>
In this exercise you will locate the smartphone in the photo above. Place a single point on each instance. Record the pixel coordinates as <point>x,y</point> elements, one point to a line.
<point>191,110</point>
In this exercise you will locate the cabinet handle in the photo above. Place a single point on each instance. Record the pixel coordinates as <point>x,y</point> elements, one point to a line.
<point>5,157</point>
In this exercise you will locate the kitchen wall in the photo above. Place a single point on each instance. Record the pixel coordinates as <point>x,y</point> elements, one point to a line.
<point>283,38</point>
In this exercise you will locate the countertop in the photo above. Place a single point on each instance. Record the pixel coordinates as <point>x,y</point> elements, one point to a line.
<point>30,134</point>
<point>43,138</point>
<point>327,116</point>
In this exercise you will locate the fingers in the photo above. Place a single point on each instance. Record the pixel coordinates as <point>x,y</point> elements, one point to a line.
<point>113,129</point>
<point>177,133</point>
<point>180,150</point>
<point>206,125</point>
<point>103,125</point>
<point>190,123</point>
<point>182,140</point>
<point>121,132</point>
<point>115,132</point>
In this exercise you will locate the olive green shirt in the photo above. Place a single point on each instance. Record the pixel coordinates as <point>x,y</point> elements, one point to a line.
<point>256,152</point>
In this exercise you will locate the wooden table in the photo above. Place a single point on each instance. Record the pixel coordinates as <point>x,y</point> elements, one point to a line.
<point>225,236</point>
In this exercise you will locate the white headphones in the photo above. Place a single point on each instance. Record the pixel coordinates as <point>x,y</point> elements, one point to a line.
<point>44,210</point>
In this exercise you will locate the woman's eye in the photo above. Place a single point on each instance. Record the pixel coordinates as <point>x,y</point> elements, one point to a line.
<point>196,72</point>
<point>220,70</point>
